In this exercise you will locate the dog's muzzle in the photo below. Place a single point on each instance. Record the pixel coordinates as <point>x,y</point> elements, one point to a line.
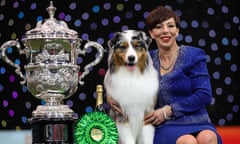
<point>131,59</point>
<point>131,62</point>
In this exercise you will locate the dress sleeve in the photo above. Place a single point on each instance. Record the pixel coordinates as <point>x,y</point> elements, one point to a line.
<point>200,86</point>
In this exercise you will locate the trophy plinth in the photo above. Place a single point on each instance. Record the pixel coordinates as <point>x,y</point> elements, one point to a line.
<point>52,75</point>
<point>52,130</point>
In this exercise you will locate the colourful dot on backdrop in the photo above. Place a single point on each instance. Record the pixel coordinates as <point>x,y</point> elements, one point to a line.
<point>230,98</point>
<point>43,102</point>
<point>24,89</point>
<point>77,23</point>
<point>93,26</point>
<point>2,70</point>
<point>28,105</point>
<point>4,123</point>
<point>107,6</point>
<point>39,18</point>
<point>11,22</point>
<point>5,103</point>
<point>82,96</point>
<point>79,60</point>
<point>24,119</point>
<point>20,15</point>
<point>9,50</point>
<point>88,109</point>
<point>120,7</point>
<point>227,56</point>
<point>138,7</point>
<point>76,115</point>
<point>11,113</point>
<point>85,36</point>
<point>14,94</point>
<point>13,36</point>
<point>116,19</point>
<point>1,87</point>
<point>18,128</point>
<point>27,27</point>
<point>73,6</point>
<point>96,9</point>
<point>61,16</point>
<point>89,50</point>
<point>33,6</point>
<point>85,16</point>
<point>17,61</point>
<point>101,71</point>
<point>141,25</point>
<point>1,17</point>
<point>11,78</point>
<point>68,18</point>
<point>129,15</point>
<point>100,40</point>
<point>234,68</point>
<point>70,103</point>
<point>15,4</point>
<point>105,22</point>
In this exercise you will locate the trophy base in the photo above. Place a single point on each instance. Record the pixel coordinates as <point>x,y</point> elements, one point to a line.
<point>53,111</point>
<point>52,130</point>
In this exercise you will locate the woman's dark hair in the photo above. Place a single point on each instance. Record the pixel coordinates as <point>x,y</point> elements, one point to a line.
<point>160,14</point>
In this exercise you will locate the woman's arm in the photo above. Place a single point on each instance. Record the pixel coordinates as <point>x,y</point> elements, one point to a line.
<point>200,87</point>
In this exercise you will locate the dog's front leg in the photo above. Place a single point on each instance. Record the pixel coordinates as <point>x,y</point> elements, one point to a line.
<point>147,135</point>
<point>125,134</point>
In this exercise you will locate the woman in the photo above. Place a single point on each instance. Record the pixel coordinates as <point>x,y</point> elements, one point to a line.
<point>180,116</point>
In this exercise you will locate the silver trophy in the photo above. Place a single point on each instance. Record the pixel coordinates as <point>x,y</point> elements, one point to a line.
<point>52,75</point>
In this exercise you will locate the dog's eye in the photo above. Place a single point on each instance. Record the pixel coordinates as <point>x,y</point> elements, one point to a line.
<point>138,44</point>
<point>121,45</point>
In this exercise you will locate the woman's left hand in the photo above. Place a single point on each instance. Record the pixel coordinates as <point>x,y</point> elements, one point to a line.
<point>158,116</point>
<point>155,118</point>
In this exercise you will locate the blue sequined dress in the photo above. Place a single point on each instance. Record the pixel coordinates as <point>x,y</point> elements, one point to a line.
<point>187,89</point>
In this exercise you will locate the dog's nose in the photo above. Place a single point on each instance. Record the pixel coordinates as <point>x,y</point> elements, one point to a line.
<point>131,58</point>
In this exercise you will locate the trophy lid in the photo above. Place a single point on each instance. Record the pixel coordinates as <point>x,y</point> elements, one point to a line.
<point>51,28</point>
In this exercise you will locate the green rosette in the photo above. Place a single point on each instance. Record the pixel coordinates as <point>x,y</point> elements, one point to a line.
<point>96,128</point>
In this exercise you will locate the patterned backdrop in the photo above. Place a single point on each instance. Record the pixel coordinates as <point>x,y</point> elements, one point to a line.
<point>213,25</point>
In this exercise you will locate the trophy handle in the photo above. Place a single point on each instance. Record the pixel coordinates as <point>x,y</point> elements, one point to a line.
<point>100,50</point>
<point>13,43</point>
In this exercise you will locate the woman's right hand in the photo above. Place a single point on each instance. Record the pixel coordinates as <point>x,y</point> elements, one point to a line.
<point>114,105</point>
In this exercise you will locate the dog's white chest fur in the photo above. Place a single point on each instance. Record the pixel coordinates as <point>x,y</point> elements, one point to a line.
<point>134,91</point>
<point>136,94</point>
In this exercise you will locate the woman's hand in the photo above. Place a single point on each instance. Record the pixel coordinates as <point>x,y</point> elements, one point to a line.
<point>114,105</point>
<point>155,118</point>
<point>158,116</point>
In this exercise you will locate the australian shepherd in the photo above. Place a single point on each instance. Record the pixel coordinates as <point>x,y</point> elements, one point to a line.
<point>132,81</point>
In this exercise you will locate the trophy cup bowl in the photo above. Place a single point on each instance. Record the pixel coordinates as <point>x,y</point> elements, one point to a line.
<point>52,75</point>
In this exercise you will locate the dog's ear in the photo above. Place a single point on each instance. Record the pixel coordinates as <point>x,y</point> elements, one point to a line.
<point>111,46</point>
<point>112,42</point>
<point>146,38</point>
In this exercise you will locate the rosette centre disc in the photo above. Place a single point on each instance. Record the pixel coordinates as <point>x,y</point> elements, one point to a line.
<point>96,134</point>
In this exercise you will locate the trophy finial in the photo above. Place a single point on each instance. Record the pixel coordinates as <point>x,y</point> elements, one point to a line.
<point>51,10</point>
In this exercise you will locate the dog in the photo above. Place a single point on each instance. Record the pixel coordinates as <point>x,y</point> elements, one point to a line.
<point>132,81</point>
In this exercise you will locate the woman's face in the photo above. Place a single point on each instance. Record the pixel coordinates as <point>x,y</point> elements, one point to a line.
<point>165,33</point>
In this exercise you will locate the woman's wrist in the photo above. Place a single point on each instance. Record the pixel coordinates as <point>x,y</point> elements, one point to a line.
<point>167,112</point>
